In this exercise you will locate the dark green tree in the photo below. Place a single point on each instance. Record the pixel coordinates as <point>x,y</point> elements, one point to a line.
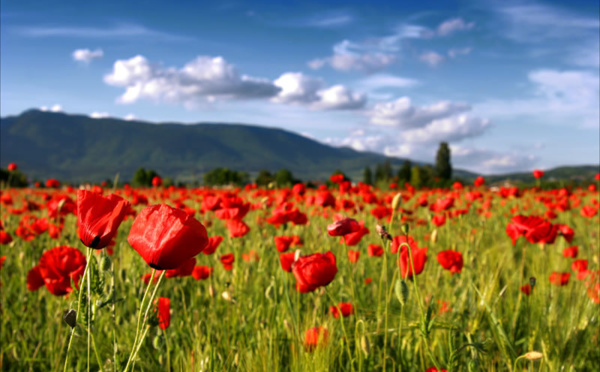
<point>16,178</point>
<point>443,167</point>
<point>284,177</point>
<point>367,176</point>
<point>143,177</point>
<point>404,173</point>
<point>264,178</point>
<point>387,171</point>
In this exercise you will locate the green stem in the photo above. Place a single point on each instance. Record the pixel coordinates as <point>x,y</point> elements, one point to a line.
<point>78,309</point>
<point>139,317</point>
<point>89,311</point>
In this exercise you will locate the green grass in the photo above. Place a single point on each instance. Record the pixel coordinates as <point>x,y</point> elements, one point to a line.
<point>490,323</point>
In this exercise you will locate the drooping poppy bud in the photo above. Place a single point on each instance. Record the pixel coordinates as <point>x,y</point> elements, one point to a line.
<point>166,237</point>
<point>99,217</point>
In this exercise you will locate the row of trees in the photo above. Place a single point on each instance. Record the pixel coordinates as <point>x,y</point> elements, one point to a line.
<point>416,175</point>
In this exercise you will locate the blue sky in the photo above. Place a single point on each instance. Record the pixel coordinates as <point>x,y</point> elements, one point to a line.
<point>511,86</point>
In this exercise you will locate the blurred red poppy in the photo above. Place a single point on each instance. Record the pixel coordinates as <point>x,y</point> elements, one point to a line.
<point>5,237</point>
<point>451,260</point>
<point>287,260</point>
<point>343,227</point>
<point>560,279</point>
<point>374,250</point>
<point>345,308</point>
<point>157,181</point>
<point>314,337</point>
<point>479,181</point>
<point>237,229</point>
<point>12,167</point>
<point>526,289</point>
<point>202,272</point>
<point>439,220</point>
<point>99,217</point>
<point>57,268</point>
<point>185,269</point>
<point>537,173</point>
<point>314,271</point>
<point>353,256</point>
<point>571,252</point>
<point>213,244</point>
<point>227,260</point>
<point>166,237</point>
<point>164,312</point>
<point>419,257</point>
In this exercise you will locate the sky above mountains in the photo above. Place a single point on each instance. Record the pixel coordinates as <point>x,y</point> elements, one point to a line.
<point>511,86</point>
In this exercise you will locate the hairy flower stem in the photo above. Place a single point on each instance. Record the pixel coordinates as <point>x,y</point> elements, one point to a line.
<point>141,339</point>
<point>78,309</point>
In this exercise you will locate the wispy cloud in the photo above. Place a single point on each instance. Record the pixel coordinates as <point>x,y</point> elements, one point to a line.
<point>330,19</point>
<point>112,32</point>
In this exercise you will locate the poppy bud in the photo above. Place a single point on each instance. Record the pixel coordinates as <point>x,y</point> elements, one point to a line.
<point>533,355</point>
<point>70,318</point>
<point>434,235</point>
<point>364,345</point>
<point>532,281</point>
<point>211,291</point>
<point>383,232</point>
<point>396,201</point>
<point>401,289</point>
<point>105,263</point>
<point>405,228</point>
<point>228,297</point>
<point>156,342</point>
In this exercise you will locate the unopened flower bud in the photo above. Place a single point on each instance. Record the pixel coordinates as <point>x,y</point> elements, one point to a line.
<point>228,297</point>
<point>434,236</point>
<point>105,263</point>
<point>396,201</point>
<point>533,355</point>
<point>70,318</point>
<point>405,228</point>
<point>364,345</point>
<point>211,291</point>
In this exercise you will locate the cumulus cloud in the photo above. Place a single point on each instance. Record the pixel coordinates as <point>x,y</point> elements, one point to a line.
<point>87,55</point>
<point>567,97</point>
<point>99,115</point>
<point>433,59</point>
<point>380,81</point>
<point>297,88</point>
<point>348,56</point>
<point>54,108</point>
<point>130,117</point>
<point>451,129</point>
<point>488,161</point>
<point>453,25</point>
<point>403,114</point>
<point>204,78</point>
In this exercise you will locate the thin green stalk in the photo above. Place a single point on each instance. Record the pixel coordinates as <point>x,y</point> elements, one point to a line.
<point>78,310</point>
<point>139,317</point>
<point>89,311</point>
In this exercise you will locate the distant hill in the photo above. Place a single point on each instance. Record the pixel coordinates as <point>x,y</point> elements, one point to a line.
<point>582,172</point>
<point>79,148</point>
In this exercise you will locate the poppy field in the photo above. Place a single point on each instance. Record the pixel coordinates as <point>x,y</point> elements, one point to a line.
<point>341,277</point>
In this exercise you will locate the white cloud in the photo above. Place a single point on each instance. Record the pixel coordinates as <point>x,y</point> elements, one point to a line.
<point>403,114</point>
<point>99,115</point>
<point>348,56</point>
<point>433,59</point>
<point>451,129</point>
<point>328,20</point>
<point>455,52</point>
<point>487,161</point>
<point>558,97</point>
<point>54,108</point>
<point>87,55</point>
<point>339,97</point>
<point>297,88</point>
<point>204,78</point>
<point>451,26</point>
<point>379,81</point>
<point>130,117</point>
<point>114,32</point>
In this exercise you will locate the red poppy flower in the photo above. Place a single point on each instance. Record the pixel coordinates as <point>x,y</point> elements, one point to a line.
<point>282,243</point>
<point>99,217</point>
<point>433,369</point>
<point>185,269</point>
<point>314,271</point>
<point>345,308</point>
<point>354,238</point>
<point>5,237</point>
<point>439,220</point>
<point>163,312</point>
<point>579,265</point>
<point>381,212</point>
<point>213,244</point>
<point>287,260</point>
<point>12,167</point>
<point>52,183</point>
<point>571,252</point>
<point>314,337</point>
<point>398,240</point>
<point>58,266</point>
<point>537,173</point>
<point>251,256</point>
<point>560,279</point>
<point>368,281</point>
<point>374,250</point>
<point>567,232</point>
<point>419,257</point>
<point>343,227</point>
<point>451,260</point>
<point>353,256</point>
<point>237,229</point>
<point>526,289</point>
<point>34,279</point>
<point>588,211</point>
<point>202,272</point>
<point>227,260</point>
<point>166,237</point>
<point>479,181</point>
<point>2,259</point>
<point>157,181</point>
<point>442,204</point>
